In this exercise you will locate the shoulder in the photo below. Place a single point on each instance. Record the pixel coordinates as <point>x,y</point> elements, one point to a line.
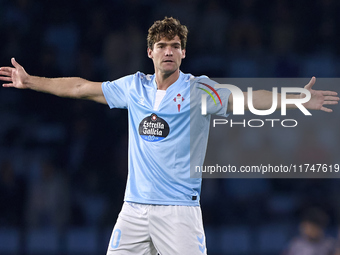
<point>131,80</point>
<point>143,77</point>
<point>201,81</point>
<point>136,76</point>
<point>192,79</point>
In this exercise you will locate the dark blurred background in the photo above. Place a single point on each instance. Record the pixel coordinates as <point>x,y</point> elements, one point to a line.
<point>63,162</point>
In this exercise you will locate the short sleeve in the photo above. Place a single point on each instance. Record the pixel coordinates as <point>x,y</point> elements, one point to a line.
<point>116,92</point>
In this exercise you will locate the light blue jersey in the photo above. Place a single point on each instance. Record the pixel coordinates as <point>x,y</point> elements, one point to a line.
<point>164,142</point>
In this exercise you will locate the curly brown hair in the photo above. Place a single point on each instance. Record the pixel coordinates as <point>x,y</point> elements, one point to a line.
<point>168,28</point>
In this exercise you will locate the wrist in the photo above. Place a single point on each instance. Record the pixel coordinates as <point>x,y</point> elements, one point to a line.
<point>29,81</point>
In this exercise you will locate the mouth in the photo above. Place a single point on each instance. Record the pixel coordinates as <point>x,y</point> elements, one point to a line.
<point>167,61</point>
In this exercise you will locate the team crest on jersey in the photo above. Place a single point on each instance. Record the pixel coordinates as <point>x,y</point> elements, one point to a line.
<point>178,100</point>
<point>153,128</point>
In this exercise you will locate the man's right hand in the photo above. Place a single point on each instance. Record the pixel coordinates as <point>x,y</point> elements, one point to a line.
<point>14,76</point>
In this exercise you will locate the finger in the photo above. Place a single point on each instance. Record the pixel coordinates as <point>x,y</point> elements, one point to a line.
<point>5,73</point>
<point>331,98</point>
<point>330,102</point>
<point>6,69</point>
<point>329,93</point>
<point>310,83</point>
<point>325,109</point>
<point>15,63</point>
<point>3,78</point>
<point>8,85</point>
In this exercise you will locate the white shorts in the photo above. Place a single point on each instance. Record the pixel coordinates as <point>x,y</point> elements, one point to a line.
<point>151,229</point>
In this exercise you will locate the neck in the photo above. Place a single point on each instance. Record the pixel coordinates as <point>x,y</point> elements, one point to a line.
<point>165,80</point>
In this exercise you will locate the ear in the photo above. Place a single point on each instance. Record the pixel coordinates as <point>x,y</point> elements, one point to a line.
<point>149,51</point>
<point>183,53</point>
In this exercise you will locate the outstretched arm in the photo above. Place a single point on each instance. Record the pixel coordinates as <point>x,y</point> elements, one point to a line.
<point>73,87</point>
<point>262,99</point>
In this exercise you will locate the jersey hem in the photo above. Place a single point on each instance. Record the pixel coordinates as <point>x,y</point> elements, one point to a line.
<point>181,203</point>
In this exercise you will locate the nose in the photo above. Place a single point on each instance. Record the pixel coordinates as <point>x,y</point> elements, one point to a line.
<point>168,51</point>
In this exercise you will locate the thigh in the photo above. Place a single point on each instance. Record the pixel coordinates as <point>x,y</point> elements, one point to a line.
<point>177,230</point>
<point>130,235</point>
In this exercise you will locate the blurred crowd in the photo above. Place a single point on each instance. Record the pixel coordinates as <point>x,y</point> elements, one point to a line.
<point>63,162</point>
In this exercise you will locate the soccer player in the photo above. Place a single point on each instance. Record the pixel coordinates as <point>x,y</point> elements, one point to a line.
<point>161,211</point>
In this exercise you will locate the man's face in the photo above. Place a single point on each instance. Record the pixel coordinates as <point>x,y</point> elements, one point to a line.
<point>311,231</point>
<point>167,55</point>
